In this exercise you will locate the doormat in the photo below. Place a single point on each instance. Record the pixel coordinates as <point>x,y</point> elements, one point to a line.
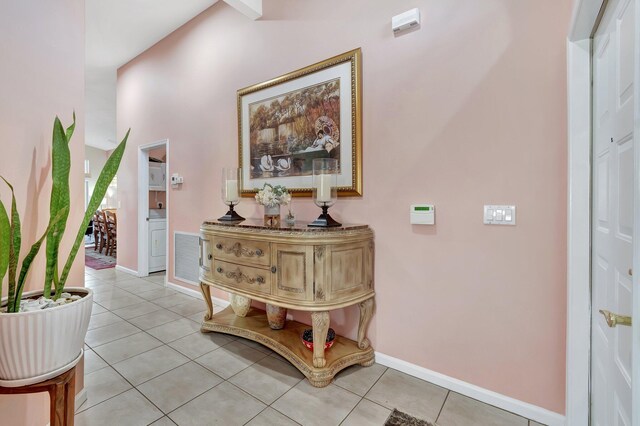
<point>398,418</point>
<point>95,260</point>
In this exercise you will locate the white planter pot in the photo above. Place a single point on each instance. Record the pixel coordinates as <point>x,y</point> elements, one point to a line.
<point>37,345</point>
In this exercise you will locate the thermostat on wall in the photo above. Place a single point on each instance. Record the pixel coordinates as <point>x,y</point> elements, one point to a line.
<point>423,214</point>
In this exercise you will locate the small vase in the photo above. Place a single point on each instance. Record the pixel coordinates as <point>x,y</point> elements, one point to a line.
<point>239,304</point>
<point>276,316</point>
<point>290,219</point>
<point>272,216</point>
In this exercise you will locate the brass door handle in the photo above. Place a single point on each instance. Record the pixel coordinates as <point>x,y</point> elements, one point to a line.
<point>615,319</point>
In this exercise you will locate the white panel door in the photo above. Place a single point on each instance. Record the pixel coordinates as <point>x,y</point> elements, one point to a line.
<point>157,245</point>
<point>612,213</point>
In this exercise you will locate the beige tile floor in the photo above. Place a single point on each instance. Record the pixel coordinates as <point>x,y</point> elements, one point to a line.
<point>146,362</point>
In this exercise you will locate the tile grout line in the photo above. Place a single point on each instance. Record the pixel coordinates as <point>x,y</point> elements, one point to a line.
<point>223,379</point>
<point>111,397</point>
<point>261,411</point>
<point>212,372</point>
<point>126,380</point>
<point>442,408</point>
<point>168,346</point>
<point>371,387</point>
<point>265,409</point>
<point>350,411</point>
<point>197,396</point>
<point>277,399</point>
<point>136,387</point>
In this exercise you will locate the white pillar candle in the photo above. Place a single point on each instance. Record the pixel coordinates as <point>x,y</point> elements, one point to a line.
<point>324,188</point>
<point>231,191</point>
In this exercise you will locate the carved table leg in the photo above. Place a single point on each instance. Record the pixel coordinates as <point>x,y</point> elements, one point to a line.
<point>206,293</point>
<point>366,312</point>
<point>320,323</point>
<point>240,304</point>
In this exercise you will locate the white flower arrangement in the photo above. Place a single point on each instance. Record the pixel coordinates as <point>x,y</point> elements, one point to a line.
<point>270,195</point>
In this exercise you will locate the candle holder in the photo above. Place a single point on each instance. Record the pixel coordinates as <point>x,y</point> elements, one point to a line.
<point>325,190</point>
<point>230,194</point>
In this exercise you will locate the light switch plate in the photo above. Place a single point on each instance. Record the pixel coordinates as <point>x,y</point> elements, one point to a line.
<point>499,215</point>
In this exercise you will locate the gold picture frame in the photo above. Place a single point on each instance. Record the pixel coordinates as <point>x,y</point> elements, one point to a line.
<point>286,122</point>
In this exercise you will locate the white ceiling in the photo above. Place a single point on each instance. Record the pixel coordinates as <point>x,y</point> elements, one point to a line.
<point>118,31</point>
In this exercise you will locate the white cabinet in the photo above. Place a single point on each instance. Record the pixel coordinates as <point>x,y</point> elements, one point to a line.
<point>157,177</point>
<point>157,245</point>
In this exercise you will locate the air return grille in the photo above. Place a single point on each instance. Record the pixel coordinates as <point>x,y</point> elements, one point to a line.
<point>186,252</point>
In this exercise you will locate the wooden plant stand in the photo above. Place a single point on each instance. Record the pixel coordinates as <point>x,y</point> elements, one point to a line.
<point>61,395</point>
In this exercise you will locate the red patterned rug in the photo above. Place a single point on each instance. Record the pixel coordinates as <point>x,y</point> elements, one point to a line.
<point>95,260</point>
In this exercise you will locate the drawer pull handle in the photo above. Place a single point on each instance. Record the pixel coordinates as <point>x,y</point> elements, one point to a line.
<point>260,280</point>
<point>273,269</point>
<point>219,270</point>
<point>209,256</point>
<point>240,251</point>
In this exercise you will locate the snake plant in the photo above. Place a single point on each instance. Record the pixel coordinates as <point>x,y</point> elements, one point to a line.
<point>10,234</point>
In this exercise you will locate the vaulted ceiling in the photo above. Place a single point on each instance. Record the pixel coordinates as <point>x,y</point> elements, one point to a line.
<point>118,31</point>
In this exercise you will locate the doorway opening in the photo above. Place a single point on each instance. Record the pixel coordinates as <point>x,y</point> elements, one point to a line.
<point>153,212</point>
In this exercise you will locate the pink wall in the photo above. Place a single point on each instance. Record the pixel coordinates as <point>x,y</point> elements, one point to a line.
<point>469,110</point>
<point>42,45</point>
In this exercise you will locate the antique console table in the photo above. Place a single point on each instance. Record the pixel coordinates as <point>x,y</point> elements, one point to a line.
<point>298,268</point>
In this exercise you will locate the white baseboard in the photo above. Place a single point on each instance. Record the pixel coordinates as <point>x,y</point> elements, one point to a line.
<point>127,270</point>
<point>81,397</point>
<point>196,293</point>
<point>523,409</point>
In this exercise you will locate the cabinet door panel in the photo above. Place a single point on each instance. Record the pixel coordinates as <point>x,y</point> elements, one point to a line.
<point>294,271</point>
<point>349,269</point>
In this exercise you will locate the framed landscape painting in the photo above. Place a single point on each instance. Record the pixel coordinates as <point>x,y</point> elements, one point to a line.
<point>287,122</point>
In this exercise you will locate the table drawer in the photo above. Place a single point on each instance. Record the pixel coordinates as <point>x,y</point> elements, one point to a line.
<point>243,277</point>
<point>245,251</point>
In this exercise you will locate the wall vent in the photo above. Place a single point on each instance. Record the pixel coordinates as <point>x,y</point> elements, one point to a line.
<point>186,252</point>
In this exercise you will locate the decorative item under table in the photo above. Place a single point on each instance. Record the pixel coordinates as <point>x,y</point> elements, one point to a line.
<point>276,316</point>
<point>297,268</point>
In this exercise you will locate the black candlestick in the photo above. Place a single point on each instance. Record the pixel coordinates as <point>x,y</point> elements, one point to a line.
<point>324,220</point>
<point>231,216</point>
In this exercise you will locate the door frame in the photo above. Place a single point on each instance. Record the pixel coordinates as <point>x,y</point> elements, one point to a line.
<point>143,205</point>
<point>586,16</point>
